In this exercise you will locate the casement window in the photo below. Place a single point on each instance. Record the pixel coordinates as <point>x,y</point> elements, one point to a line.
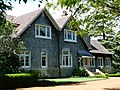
<point>44,59</point>
<point>42,31</point>
<point>92,62</point>
<point>70,36</point>
<point>66,59</point>
<point>108,61</point>
<point>25,58</point>
<point>100,61</point>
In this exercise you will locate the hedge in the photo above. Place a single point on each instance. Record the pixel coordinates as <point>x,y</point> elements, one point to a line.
<point>8,81</point>
<point>114,75</point>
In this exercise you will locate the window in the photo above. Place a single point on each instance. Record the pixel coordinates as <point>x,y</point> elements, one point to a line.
<point>25,58</point>
<point>43,59</point>
<point>108,61</point>
<point>69,36</point>
<point>66,59</point>
<point>92,62</point>
<point>100,61</point>
<point>42,31</point>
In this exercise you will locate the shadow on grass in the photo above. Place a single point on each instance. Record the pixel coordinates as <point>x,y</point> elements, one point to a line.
<point>44,83</point>
<point>111,88</point>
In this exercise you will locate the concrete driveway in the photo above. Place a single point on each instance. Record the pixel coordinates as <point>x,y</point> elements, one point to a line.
<point>112,83</point>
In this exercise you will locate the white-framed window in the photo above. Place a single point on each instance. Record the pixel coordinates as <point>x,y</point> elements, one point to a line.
<point>44,58</point>
<point>66,59</point>
<point>100,61</point>
<point>42,31</point>
<point>92,62</point>
<point>25,59</point>
<point>108,61</point>
<point>70,35</point>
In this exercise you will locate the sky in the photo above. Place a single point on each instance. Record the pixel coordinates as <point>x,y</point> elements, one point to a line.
<point>22,8</point>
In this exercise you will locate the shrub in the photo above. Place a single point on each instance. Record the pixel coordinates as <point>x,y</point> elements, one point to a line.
<point>114,75</point>
<point>81,72</point>
<point>100,76</point>
<point>8,81</point>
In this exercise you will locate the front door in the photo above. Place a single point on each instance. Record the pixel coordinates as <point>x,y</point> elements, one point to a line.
<point>86,62</point>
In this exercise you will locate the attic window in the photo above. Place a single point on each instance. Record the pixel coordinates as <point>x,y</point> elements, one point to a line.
<point>42,31</point>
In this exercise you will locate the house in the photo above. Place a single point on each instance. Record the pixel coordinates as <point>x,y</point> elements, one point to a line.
<point>51,48</point>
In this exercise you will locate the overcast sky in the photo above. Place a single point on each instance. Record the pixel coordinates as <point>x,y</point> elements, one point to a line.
<point>22,8</point>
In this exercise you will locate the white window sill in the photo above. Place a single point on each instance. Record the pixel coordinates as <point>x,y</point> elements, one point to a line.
<point>44,67</point>
<point>66,66</point>
<point>66,40</point>
<point>25,67</point>
<point>43,37</point>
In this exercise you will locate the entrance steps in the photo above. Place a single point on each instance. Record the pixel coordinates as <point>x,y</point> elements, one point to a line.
<point>98,72</point>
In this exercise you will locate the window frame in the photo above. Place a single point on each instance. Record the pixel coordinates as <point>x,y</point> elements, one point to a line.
<point>100,58</point>
<point>107,58</point>
<point>73,33</point>
<point>46,60</point>
<point>46,31</point>
<point>69,59</point>
<point>24,57</point>
<point>92,60</point>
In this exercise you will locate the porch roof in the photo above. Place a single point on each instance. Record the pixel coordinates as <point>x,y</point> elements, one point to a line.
<point>84,53</point>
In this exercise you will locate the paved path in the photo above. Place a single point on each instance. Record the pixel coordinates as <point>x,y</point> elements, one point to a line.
<point>108,84</point>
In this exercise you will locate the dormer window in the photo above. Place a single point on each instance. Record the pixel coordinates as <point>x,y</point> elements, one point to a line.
<point>70,36</point>
<point>42,31</point>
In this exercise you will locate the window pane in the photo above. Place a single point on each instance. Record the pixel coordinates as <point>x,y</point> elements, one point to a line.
<point>48,31</point>
<point>73,35</point>
<point>67,61</point>
<point>65,52</point>
<point>22,60</point>
<point>27,63</point>
<point>42,31</point>
<point>43,62</point>
<point>43,59</point>
<point>37,30</point>
<point>70,35</point>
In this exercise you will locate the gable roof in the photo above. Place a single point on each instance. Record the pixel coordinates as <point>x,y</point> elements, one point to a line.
<point>98,48</point>
<point>62,21</point>
<point>24,21</point>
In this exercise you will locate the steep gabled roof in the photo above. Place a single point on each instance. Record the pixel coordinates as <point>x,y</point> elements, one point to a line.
<point>98,48</point>
<point>25,20</point>
<point>62,21</point>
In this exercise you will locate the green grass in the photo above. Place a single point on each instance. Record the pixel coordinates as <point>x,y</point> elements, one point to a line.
<point>80,79</point>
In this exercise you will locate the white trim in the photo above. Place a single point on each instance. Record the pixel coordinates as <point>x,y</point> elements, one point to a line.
<point>92,60</point>
<point>46,60</point>
<point>72,33</point>
<point>100,58</point>
<point>24,55</point>
<point>108,58</point>
<point>39,36</point>
<point>69,59</point>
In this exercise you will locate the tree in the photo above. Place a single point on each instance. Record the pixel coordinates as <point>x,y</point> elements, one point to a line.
<point>112,43</point>
<point>9,61</point>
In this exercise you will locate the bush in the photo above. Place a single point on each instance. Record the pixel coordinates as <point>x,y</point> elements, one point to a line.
<point>81,72</point>
<point>100,76</point>
<point>114,75</point>
<point>8,81</point>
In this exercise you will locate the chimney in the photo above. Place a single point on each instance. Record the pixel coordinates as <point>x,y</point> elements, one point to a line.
<point>64,13</point>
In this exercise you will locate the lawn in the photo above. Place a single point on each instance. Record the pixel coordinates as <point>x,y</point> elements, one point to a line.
<point>80,79</point>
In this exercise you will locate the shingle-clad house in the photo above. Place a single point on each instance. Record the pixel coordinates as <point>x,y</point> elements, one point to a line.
<point>52,49</point>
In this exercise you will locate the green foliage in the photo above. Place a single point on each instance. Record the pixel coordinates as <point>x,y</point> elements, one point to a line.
<point>9,46</point>
<point>81,72</point>
<point>112,43</point>
<point>114,75</point>
<point>100,76</point>
<point>96,17</point>
<point>8,81</point>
